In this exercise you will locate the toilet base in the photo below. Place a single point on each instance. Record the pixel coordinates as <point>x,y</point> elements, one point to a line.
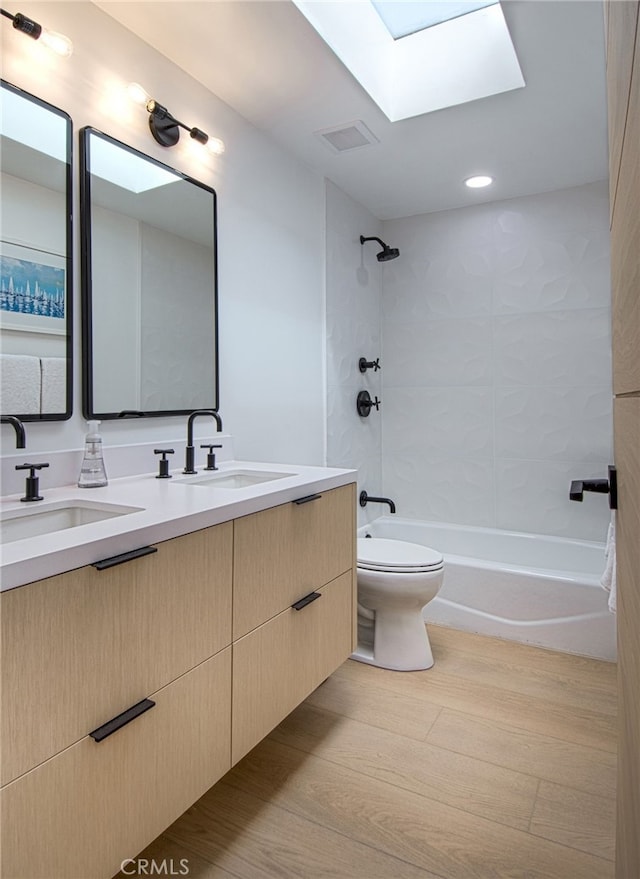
<point>404,645</point>
<point>365,654</point>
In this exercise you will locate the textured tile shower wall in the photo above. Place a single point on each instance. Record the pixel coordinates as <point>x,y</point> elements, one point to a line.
<point>497,363</point>
<point>354,292</point>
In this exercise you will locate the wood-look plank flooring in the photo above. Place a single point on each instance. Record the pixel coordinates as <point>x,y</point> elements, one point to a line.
<point>497,763</point>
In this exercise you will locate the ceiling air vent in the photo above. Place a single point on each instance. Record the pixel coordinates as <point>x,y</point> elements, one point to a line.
<point>350,136</point>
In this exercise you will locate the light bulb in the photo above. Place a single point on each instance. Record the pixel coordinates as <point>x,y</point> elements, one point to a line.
<point>58,43</point>
<point>137,93</point>
<point>478,182</point>
<point>215,145</point>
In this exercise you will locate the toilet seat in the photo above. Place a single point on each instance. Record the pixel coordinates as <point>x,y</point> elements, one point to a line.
<point>397,556</point>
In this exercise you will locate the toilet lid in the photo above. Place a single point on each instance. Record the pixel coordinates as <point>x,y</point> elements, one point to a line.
<point>379,554</point>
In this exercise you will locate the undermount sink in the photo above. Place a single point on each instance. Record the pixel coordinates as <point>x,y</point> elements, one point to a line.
<point>233,478</point>
<point>38,519</point>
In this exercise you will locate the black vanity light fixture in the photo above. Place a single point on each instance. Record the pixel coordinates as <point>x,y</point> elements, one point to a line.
<point>58,43</point>
<point>165,128</point>
<point>386,253</point>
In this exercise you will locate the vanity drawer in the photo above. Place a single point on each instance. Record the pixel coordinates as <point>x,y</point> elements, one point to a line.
<point>277,665</point>
<point>80,813</point>
<point>80,647</point>
<point>284,553</point>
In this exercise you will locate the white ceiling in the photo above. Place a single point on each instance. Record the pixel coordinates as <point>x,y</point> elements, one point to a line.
<point>265,60</point>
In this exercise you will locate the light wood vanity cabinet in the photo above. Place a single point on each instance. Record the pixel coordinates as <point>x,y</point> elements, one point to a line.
<point>283,554</point>
<point>80,648</point>
<point>277,665</point>
<point>293,607</point>
<point>81,813</point>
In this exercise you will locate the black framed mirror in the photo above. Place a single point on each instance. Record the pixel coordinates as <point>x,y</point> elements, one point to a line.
<point>149,284</point>
<point>36,313</point>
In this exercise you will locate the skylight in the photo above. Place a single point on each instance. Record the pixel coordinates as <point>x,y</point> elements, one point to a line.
<point>404,17</point>
<point>464,59</point>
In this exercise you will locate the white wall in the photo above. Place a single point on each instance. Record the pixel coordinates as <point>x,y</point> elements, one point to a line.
<point>496,348</point>
<point>270,236</point>
<point>354,292</point>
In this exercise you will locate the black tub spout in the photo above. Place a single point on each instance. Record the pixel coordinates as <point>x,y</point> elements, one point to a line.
<point>367,498</point>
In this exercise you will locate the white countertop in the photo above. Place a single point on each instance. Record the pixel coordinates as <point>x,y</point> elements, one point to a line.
<point>170,508</point>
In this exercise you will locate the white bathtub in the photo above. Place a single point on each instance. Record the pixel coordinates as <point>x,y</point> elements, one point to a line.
<point>526,587</point>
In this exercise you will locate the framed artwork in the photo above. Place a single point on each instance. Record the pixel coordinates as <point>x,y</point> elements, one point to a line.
<point>33,290</point>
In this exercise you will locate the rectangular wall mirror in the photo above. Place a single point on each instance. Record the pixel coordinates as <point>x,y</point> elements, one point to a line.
<point>35,258</point>
<point>149,284</point>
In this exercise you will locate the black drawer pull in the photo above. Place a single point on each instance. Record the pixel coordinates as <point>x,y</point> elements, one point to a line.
<point>307,499</point>
<point>306,600</point>
<point>124,557</point>
<point>121,720</point>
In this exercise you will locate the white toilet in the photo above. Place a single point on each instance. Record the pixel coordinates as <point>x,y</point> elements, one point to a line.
<point>395,581</point>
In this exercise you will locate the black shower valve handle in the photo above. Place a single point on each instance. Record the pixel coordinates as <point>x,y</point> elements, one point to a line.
<point>364,403</point>
<point>364,364</point>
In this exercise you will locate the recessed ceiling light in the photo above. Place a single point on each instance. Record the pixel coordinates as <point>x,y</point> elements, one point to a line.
<point>478,182</point>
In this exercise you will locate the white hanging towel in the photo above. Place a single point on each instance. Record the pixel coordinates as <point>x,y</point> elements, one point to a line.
<point>20,384</point>
<point>54,384</point>
<point>608,579</point>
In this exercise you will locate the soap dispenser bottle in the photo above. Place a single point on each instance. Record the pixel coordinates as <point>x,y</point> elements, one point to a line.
<point>92,471</point>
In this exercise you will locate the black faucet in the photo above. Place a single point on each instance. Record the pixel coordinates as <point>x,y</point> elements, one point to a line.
<point>18,426</point>
<point>190,450</point>
<point>366,498</point>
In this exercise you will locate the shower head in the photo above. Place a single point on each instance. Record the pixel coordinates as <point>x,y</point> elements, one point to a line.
<point>386,253</point>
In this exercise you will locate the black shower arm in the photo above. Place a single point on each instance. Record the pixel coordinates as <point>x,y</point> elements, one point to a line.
<point>373,238</point>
